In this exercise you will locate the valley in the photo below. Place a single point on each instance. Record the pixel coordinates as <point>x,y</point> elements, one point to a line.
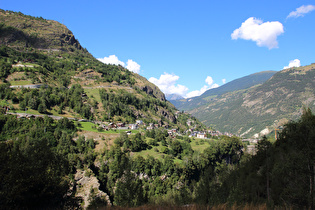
<point>76,133</point>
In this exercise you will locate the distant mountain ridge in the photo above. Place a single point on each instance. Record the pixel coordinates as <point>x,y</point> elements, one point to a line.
<point>241,83</point>
<point>258,110</point>
<point>237,84</point>
<point>170,97</point>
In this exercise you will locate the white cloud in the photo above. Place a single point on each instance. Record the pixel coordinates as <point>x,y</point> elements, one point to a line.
<point>215,85</point>
<point>301,11</point>
<point>133,66</point>
<point>223,81</point>
<point>113,59</point>
<point>263,33</point>
<point>209,80</point>
<point>293,63</point>
<point>167,85</point>
<point>210,85</point>
<point>197,92</point>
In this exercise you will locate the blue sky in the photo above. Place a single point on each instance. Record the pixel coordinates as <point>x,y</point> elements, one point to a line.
<point>187,47</point>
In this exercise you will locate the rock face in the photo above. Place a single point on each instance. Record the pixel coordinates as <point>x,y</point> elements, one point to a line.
<point>27,31</point>
<point>69,39</point>
<point>165,113</point>
<point>153,92</point>
<point>88,188</point>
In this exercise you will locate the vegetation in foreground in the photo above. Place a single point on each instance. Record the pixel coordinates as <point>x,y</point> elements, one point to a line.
<point>40,160</point>
<point>44,163</point>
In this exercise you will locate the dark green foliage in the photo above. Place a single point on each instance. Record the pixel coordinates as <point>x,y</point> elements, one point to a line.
<point>220,174</point>
<point>4,69</point>
<point>294,161</point>
<point>32,176</point>
<point>122,103</point>
<point>157,134</point>
<point>176,148</point>
<point>46,98</point>
<point>32,173</point>
<point>6,91</point>
<point>279,174</point>
<point>135,143</point>
<point>129,191</point>
<point>37,155</point>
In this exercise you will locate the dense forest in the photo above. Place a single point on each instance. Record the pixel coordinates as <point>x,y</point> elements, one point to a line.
<point>39,159</point>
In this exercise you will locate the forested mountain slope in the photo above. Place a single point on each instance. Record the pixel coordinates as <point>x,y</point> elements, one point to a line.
<point>263,107</point>
<point>46,53</point>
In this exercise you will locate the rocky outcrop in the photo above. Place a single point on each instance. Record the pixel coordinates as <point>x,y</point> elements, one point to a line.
<point>167,114</point>
<point>18,30</point>
<point>87,186</point>
<point>69,39</point>
<point>153,91</point>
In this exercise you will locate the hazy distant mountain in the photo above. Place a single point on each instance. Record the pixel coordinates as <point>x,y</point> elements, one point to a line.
<point>237,84</point>
<point>170,97</point>
<point>260,108</point>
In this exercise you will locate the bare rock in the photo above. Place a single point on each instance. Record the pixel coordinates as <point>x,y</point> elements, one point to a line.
<point>88,188</point>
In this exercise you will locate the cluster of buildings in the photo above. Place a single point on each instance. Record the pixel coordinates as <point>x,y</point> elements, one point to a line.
<point>172,132</point>
<point>140,124</point>
<point>123,125</point>
<point>207,134</point>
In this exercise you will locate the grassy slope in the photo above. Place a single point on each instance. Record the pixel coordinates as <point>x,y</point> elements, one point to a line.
<point>90,130</point>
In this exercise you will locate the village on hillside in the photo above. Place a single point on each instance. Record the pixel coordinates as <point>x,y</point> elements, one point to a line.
<point>139,124</point>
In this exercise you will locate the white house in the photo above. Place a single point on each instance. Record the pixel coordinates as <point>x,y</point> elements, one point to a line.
<point>201,135</point>
<point>133,126</point>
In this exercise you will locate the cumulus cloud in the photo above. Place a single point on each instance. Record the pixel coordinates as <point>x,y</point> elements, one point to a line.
<point>293,63</point>
<point>223,81</point>
<point>113,59</point>
<point>133,66</point>
<point>301,11</point>
<point>197,92</point>
<point>215,85</point>
<point>167,85</point>
<point>210,85</point>
<point>209,80</point>
<point>263,33</point>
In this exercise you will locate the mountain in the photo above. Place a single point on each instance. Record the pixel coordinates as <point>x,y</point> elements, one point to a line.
<point>36,52</point>
<point>171,97</point>
<point>238,84</point>
<point>258,110</point>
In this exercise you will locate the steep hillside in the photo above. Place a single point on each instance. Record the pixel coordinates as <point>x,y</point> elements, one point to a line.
<point>35,52</point>
<point>260,109</point>
<point>238,84</point>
